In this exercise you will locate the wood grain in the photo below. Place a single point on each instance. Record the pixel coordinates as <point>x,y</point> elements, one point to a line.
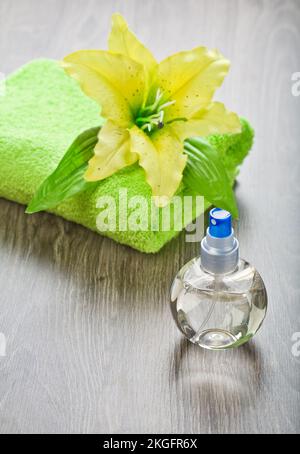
<point>91,346</point>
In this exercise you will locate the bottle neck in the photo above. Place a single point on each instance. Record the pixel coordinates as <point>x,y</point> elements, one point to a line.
<point>219,255</point>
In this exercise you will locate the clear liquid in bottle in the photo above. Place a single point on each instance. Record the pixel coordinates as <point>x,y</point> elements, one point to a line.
<point>218,301</point>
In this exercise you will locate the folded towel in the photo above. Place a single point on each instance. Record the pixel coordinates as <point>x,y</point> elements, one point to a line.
<point>41,113</point>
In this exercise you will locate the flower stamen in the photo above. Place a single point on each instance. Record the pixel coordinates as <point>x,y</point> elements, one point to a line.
<point>166,104</point>
<point>151,117</point>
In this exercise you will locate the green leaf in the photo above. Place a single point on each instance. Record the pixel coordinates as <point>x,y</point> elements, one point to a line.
<point>68,177</point>
<point>205,174</point>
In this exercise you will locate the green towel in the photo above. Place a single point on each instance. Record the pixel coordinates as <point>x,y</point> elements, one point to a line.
<point>41,113</point>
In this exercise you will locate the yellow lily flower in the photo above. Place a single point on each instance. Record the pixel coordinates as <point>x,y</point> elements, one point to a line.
<point>150,107</point>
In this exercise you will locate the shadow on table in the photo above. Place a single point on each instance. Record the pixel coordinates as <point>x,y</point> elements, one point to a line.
<point>94,265</point>
<point>218,384</point>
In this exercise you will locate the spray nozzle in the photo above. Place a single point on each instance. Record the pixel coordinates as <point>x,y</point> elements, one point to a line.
<point>219,223</point>
<point>219,248</point>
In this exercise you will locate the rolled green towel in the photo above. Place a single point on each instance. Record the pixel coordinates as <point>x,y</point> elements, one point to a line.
<point>41,113</point>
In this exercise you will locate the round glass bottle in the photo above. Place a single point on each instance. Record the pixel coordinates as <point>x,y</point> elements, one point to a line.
<point>218,300</point>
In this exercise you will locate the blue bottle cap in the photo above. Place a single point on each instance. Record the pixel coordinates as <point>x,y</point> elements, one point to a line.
<point>219,223</point>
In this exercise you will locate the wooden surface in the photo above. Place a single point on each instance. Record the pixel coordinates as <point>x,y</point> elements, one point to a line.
<point>91,346</point>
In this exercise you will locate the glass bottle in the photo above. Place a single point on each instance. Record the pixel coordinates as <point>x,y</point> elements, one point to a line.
<point>218,300</point>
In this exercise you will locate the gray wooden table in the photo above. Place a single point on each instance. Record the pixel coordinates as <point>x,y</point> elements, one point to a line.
<point>91,346</point>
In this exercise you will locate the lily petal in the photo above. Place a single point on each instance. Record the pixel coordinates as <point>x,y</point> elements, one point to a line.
<point>117,74</point>
<point>123,41</point>
<point>113,104</point>
<point>190,78</point>
<point>162,158</point>
<point>112,152</point>
<point>215,119</point>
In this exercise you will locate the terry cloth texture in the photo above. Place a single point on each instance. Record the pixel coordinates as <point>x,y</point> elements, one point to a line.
<point>41,113</point>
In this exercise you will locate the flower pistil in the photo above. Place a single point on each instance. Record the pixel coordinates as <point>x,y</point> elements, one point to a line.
<point>151,116</point>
